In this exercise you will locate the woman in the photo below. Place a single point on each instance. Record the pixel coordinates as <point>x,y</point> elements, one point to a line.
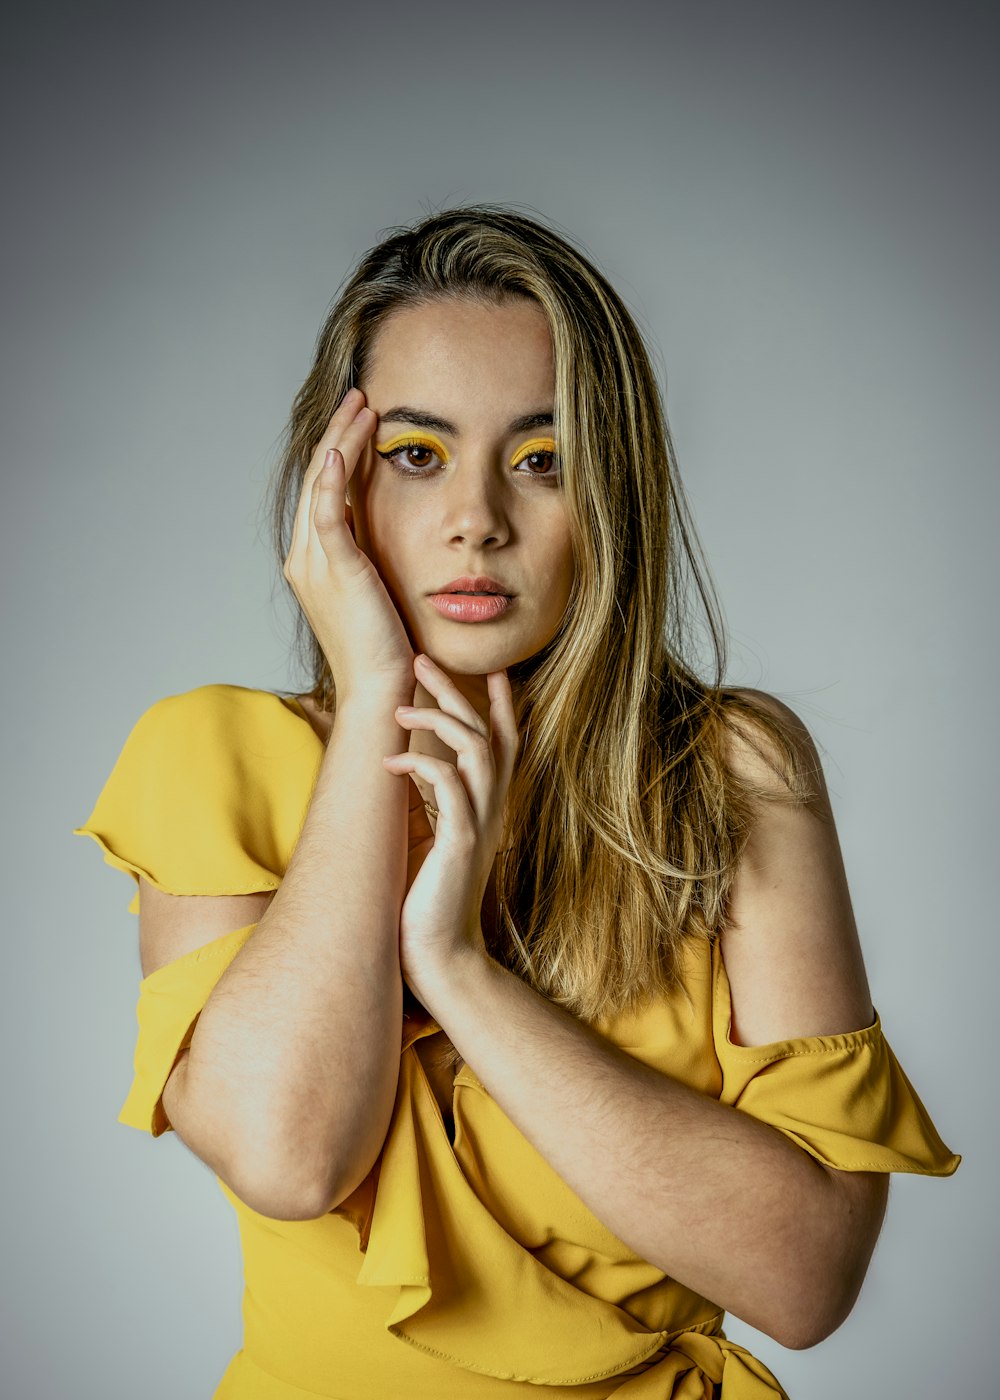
<point>640,1080</point>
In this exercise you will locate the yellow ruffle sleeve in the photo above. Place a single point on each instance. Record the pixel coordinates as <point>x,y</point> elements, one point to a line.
<point>170,1002</point>
<point>842,1098</point>
<point>194,812</point>
<point>207,797</point>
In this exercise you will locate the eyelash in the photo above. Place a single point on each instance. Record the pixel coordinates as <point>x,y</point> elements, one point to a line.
<point>425,447</point>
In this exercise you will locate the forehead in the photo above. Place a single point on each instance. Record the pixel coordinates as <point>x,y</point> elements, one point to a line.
<point>451,349</point>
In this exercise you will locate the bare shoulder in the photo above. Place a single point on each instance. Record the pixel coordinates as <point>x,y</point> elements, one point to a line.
<point>755,757</point>
<point>790,946</point>
<point>171,925</point>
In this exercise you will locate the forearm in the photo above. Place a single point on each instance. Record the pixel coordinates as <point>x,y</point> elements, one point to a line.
<point>721,1202</point>
<point>294,1061</point>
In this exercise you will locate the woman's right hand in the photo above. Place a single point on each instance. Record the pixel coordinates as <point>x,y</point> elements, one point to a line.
<point>338,587</point>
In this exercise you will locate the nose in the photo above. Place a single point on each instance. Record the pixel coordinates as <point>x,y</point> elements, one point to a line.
<point>474,508</point>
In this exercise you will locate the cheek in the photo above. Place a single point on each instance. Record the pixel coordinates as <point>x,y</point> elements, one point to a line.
<point>562,553</point>
<point>557,582</point>
<point>398,538</point>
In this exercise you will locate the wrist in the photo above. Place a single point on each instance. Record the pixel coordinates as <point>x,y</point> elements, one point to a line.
<point>372,702</point>
<point>440,976</point>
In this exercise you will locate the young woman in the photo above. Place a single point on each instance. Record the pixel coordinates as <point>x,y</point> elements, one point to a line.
<point>507,980</point>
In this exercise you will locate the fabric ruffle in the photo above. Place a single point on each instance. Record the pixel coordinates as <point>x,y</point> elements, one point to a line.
<point>170,1001</point>
<point>208,794</point>
<point>843,1098</point>
<point>462,1281</point>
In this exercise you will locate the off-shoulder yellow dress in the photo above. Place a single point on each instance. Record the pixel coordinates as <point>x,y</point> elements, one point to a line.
<point>462,1270</point>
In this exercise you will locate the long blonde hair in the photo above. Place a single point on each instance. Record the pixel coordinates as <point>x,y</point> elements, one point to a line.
<point>626,821</point>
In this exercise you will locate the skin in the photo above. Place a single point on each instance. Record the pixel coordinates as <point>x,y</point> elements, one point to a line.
<point>471,510</point>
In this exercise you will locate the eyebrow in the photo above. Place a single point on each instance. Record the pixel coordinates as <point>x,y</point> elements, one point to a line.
<point>422,419</point>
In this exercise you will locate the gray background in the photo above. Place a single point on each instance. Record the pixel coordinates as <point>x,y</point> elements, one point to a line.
<point>797,203</point>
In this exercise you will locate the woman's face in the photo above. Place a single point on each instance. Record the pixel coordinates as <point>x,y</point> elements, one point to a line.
<point>461,478</point>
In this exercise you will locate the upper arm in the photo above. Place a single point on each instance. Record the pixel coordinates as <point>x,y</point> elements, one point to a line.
<point>791,948</point>
<point>171,925</point>
<point>793,956</point>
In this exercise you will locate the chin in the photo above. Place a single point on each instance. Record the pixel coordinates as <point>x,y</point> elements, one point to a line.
<point>472,659</point>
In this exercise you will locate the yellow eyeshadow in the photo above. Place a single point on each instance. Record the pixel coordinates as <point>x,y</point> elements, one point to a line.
<point>413,440</point>
<point>535,445</point>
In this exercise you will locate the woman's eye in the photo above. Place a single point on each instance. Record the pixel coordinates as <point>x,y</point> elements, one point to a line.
<point>542,464</point>
<point>417,456</point>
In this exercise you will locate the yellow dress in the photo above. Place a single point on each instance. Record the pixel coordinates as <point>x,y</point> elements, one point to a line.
<point>465,1270</point>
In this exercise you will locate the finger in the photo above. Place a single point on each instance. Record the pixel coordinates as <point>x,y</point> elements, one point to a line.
<point>331,540</point>
<point>473,754</point>
<point>327,504</point>
<point>416,800</point>
<point>349,443</point>
<point>346,414</point>
<point>349,440</point>
<point>503,724</point>
<point>303,523</point>
<point>349,449</point>
<point>453,731</point>
<point>447,694</point>
<point>305,513</point>
<point>450,796</point>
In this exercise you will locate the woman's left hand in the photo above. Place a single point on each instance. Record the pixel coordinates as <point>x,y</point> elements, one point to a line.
<point>441,914</point>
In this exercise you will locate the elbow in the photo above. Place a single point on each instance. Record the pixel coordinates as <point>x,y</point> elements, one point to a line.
<point>311,1207</point>
<point>277,1198</point>
<point>289,1209</point>
<point>276,1170</point>
<point>257,1164</point>
<point>813,1306</point>
<point>822,1293</point>
<point>800,1334</point>
<point>280,1198</point>
<point>270,1184</point>
<point>277,1194</point>
<point>803,1321</point>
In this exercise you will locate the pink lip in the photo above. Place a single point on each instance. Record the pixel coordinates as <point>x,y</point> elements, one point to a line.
<point>475,583</point>
<point>460,608</point>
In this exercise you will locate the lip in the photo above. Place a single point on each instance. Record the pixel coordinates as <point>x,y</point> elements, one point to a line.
<point>479,583</point>
<point>459,608</point>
